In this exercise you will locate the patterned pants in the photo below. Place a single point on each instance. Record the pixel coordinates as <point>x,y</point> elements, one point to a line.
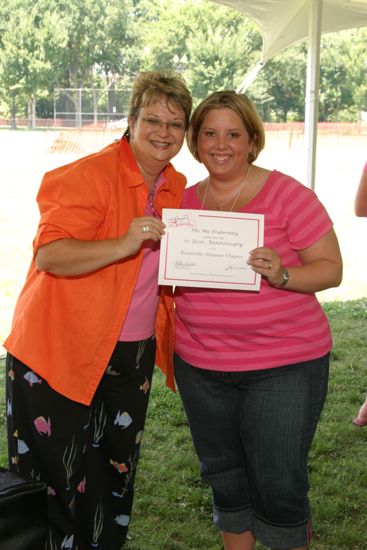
<point>86,455</point>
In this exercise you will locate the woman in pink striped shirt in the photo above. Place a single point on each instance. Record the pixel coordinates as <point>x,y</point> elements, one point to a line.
<point>360,208</point>
<point>252,367</point>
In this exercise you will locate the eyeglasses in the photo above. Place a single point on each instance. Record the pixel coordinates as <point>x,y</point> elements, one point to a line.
<point>155,123</point>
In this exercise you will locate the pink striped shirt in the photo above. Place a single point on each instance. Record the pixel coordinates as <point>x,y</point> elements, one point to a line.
<point>232,330</point>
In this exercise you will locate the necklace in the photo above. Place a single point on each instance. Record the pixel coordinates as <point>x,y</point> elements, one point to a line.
<point>235,196</point>
<point>152,193</point>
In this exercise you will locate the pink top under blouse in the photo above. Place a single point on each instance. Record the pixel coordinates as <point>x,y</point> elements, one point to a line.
<point>140,319</point>
<point>233,330</point>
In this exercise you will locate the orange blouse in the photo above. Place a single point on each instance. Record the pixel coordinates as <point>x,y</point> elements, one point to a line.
<point>65,328</point>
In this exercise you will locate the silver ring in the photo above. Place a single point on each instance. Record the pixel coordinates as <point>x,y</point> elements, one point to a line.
<point>145,229</point>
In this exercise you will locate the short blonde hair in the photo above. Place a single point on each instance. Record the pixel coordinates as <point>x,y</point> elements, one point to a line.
<point>151,85</point>
<point>240,104</point>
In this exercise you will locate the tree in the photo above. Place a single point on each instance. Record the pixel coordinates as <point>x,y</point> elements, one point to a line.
<point>221,53</point>
<point>48,44</point>
<point>343,82</point>
<point>279,89</point>
<point>72,43</point>
<point>211,45</point>
<point>98,35</point>
<point>31,39</point>
<point>97,53</point>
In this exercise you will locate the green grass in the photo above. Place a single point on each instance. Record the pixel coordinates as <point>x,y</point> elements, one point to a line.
<point>172,508</point>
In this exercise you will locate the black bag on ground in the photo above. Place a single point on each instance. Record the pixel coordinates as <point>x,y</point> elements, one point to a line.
<point>23,512</point>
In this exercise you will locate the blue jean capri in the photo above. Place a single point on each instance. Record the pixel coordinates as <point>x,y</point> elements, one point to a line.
<point>252,432</point>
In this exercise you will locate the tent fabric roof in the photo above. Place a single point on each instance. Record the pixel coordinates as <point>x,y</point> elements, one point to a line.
<point>284,22</point>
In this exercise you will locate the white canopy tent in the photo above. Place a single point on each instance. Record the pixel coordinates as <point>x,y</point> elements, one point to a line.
<point>284,22</point>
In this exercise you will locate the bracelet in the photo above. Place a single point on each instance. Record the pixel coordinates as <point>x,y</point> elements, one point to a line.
<point>285,278</point>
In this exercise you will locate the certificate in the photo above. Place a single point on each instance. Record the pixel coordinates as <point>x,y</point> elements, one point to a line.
<point>209,248</point>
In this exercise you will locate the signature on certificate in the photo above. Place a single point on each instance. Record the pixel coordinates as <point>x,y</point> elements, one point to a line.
<point>179,264</point>
<point>179,220</point>
<point>236,268</point>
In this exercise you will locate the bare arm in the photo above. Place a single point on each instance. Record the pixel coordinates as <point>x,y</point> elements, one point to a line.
<point>321,268</point>
<point>72,257</point>
<point>360,203</point>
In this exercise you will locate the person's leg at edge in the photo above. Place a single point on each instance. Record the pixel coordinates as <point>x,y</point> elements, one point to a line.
<point>361,418</point>
<point>46,437</point>
<point>74,513</point>
<point>284,407</point>
<point>242,541</point>
<point>211,405</point>
<point>103,509</point>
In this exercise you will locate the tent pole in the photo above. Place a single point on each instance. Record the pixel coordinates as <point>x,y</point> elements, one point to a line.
<point>312,87</point>
<point>250,77</point>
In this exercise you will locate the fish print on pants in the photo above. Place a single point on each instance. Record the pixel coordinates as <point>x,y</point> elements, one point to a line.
<point>32,378</point>
<point>67,543</point>
<point>81,486</point>
<point>111,372</point>
<point>43,426</point>
<point>11,375</point>
<point>122,520</point>
<point>123,420</point>
<point>145,387</point>
<point>22,447</point>
<point>120,466</point>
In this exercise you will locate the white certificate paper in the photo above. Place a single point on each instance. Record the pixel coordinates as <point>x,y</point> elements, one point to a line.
<point>209,248</point>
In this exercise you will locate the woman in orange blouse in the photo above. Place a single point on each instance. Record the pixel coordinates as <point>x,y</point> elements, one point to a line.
<point>90,322</point>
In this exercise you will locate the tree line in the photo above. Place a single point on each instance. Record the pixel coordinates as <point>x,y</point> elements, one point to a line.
<point>49,44</point>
